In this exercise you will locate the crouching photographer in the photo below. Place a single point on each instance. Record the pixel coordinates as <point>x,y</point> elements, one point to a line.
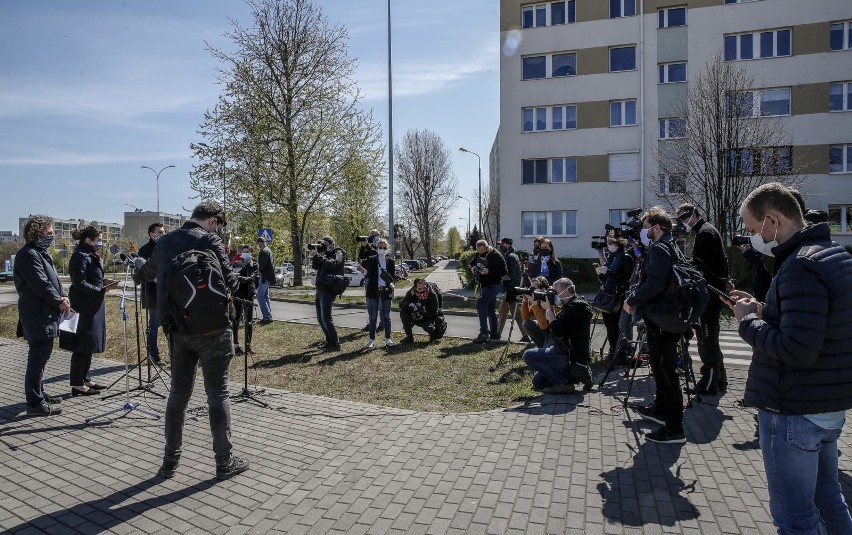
<point>558,367</point>
<point>532,313</point>
<point>421,306</point>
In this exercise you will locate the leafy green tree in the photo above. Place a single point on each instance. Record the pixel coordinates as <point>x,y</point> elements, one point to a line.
<point>453,242</point>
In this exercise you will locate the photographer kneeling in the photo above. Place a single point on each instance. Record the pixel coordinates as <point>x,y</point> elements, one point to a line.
<point>533,315</point>
<point>421,307</point>
<point>557,367</point>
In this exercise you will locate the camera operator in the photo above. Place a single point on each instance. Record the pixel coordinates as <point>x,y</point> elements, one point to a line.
<point>266,271</point>
<point>534,317</point>
<point>667,408</point>
<point>708,256</point>
<point>247,273</point>
<point>512,280</point>
<point>369,244</point>
<point>149,293</point>
<point>614,273</point>
<point>489,267</point>
<point>545,263</point>
<point>557,367</point>
<point>213,351</point>
<point>328,261</point>
<point>420,307</point>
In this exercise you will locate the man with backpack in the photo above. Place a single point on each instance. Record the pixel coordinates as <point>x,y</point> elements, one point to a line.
<point>194,278</point>
<point>328,262</point>
<point>421,306</point>
<point>654,280</point>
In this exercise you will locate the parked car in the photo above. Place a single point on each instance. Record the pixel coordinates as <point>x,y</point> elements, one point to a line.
<point>413,265</point>
<point>402,270</point>
<point>283,277</point>
<point>355,277</point>
<point>5,276</point>
<point>288,267</point>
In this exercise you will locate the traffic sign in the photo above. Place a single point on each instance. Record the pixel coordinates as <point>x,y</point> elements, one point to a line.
<point>114,249</point>
<point>265,234</point>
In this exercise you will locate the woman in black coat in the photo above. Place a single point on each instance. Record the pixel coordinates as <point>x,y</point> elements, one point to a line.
<point>87,299</point>
<point>40,303</point>
<point>546,264</point>
<point>380,275</point>
<point>614,274</point>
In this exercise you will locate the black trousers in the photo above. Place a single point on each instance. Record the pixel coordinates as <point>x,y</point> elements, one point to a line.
<point>611,322</point>
<point>241,308</point>
<point>662,347</point>
<point>707,337</point>
<point>408,323</point>
<point>80,365</point>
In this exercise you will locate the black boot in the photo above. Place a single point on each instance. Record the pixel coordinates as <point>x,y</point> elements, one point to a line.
<point>708,385</point>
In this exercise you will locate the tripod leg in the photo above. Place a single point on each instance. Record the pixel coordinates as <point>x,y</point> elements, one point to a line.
<point>611,367</point>
<point>636,352</point>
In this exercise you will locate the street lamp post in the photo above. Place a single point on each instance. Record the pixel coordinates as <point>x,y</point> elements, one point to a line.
<point>479,200</point>
<point>391,236</point>
<point>158,182</point>
<point>468,214</point>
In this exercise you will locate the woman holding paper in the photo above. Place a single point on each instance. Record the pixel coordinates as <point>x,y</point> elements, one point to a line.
<point>87,299</point>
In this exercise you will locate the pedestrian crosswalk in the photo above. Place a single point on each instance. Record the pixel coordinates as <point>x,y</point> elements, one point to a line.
<point>736,352</point>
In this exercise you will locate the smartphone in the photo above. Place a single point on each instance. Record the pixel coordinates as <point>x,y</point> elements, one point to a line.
<point>724,295</point>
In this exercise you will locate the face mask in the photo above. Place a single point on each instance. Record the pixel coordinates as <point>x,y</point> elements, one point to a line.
<point>45,242</point>
<point>545,253</point>
<point>644,238</point>
<point>762,246</point>
<point>423,295</point>
<point>504,249</point>
<point>687,227</point>
<point>157,237</point>
<point>382,252</point>
<point>99,244</point>
<point>376,240</point>
<point>246,256</point>
<point>612,248</point>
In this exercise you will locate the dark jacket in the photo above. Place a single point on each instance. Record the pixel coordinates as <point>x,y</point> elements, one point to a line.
<point>762,278</point>
<point>328,263</point>
<point>802,361</point>
<point>190,236</point>
<point>371,264</point>
<point>87,299</point>
<point>653,277</point>
<point>619,266</point>
<point>430,304</point>
<point>247,275</point>
<point>571,327</point>
<point>495,263</point>
<point>513,268</point>
<point>266,266</point>
<point>554,268</point>
<point>708,256</point>
<point>149,289</point>
<point>39,294</point>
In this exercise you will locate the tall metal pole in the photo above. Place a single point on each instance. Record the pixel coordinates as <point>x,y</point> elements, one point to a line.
<point>468,214</point>
<point>479,200</point>
<point>390,139</point>
<point>158,183</point>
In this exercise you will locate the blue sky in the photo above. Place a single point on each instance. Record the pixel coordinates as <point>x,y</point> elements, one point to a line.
<point>89,91</point>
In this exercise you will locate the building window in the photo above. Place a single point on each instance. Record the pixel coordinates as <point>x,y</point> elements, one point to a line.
<point>534,67</point>
<point>549,14</point>
<point>670,17</point>
<point>757,45</point>
<point>759,103</point>
<point>672,184</point>
<point>564,117</point>
<point>534,119</point>
<point>564,65</point>
<point>534,223</point>
<point>671,73</point>
<point>624,167</point>
<point>840,96</point>
<point>534,171</point>
<point>841,35</point>
<point>563,223</point>
<point>765,161</point>
<point>622,8</point>
<point>622,113</point>
<point>561,118</point>
<point>840,218</point>
<point>618,216</point>
<point>622,58</point>
<point>672,128</point>
<point>840,159</point>
<point>563,170</point>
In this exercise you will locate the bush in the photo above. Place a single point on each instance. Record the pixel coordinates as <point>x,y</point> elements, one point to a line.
<point>464,268</point>
<point>580,271</point>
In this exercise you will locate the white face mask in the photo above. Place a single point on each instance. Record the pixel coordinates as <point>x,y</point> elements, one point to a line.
<point>612,247</point>
<point>246,256</point>
<point>687,227</point>
<point>762,246</point>
<point>643,237</point>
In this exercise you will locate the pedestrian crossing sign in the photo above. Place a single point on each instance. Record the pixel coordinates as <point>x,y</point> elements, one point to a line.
<point>265,234</point>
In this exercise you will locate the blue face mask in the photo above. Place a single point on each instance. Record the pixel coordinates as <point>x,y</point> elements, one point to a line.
<point>99,244</point>
<point>45,242</point>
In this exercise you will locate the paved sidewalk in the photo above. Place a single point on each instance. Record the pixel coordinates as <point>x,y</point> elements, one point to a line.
<point>569,464</point>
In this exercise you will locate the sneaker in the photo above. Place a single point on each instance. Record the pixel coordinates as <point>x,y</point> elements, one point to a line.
<point>650,413</point>
<point>707,385</point>
<point>52,400</point>
<point>495,339</point>
<point>409,339</point>
<point>236,466</point>
<point>371,344</point>
<point>331,348</point>
<point>481,339</point>
<point>389,343</point>
<point>559,389</point>
<point>168,469</point>
<point>45,409</point>
<point>265,322</point>
<point>664,435</point>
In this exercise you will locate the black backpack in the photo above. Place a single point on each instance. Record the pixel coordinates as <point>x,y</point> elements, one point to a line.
<point>438,294</point>
<point>681,305</point>
<point>197,293</point>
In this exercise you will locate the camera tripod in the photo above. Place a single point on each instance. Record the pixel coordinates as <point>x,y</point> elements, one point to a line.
<point>245,394</point>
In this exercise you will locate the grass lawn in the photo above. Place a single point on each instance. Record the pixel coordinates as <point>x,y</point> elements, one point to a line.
<point>449,376</point>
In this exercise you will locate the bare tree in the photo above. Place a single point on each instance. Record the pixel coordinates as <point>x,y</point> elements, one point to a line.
<point>290,74</point>
<point>427,185</point>
<point>722,144</point>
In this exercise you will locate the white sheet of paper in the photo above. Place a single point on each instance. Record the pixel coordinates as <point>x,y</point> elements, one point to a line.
<point>68,323</point>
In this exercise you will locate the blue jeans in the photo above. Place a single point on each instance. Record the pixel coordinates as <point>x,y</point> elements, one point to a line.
<point>323,301</point>
<point>486,310</point>
<point>800,459</point>
<point>549,367</point>
<point>153,329</point>
<point>214,353</point>
<point>263,300</point>
<point>374,306</point>
<point>37,358</point>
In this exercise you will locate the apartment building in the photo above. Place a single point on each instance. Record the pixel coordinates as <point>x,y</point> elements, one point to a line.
<point>136,224</point>
<point>589,91</point>
<point>63,228</point>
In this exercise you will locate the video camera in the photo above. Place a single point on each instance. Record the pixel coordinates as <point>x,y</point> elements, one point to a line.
<point>319,247</point>
<point>129,259</point>
<point>537,295</point>
<point>417,311</point>
<point>741,240</point>
<point>628,229</point>
<point>362,239</point>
